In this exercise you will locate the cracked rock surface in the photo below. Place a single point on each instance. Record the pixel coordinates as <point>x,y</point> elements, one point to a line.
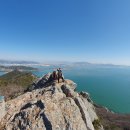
<point>52,106</point>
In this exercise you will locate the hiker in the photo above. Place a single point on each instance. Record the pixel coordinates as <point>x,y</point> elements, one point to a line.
<point>60,75</point>
<point>54,75</point>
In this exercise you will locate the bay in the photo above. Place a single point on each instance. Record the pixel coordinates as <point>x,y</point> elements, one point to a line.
<point>1,73</point>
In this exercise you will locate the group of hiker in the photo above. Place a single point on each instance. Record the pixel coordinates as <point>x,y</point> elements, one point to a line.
<point>57,75</point>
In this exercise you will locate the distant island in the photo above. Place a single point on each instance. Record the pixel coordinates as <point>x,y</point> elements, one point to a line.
<point>3,62</point>
<point>20,68</point>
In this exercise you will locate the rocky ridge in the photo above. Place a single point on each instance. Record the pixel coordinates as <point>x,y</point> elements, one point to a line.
<point>51,106</point>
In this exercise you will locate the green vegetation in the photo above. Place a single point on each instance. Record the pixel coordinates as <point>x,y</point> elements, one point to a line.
<point>16,77</point>
<point>96,124</point>
<point>113,121</point>
<point>112,127</point>
<point>14,83</point>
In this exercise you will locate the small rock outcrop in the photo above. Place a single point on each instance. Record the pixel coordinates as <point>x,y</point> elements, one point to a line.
<point>50,106</point>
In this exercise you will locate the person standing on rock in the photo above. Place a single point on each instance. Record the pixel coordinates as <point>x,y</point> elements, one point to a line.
<point>60,75</point>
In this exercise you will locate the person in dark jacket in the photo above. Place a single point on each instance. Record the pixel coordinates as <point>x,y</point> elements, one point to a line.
<point>54,75</point>
<point>60,75</point>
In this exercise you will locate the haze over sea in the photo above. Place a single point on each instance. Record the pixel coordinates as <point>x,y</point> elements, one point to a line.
<point>108,86</point>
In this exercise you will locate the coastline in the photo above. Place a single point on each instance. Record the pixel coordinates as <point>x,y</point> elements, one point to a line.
<point>113,120</point>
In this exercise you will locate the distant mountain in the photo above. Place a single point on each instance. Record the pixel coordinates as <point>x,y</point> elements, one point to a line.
<point>81,63</point>
<point>17,62</point>
<point>76,65</point>
<point>87,64</point>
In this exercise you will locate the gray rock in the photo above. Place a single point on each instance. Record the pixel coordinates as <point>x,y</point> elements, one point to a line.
<point>86,95</point>
<point>2,108</point>
<point>52,107</point>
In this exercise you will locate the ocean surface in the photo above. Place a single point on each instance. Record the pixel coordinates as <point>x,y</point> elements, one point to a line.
<point>1,73</point>
<point>1,98</point>
<point>108,86</point>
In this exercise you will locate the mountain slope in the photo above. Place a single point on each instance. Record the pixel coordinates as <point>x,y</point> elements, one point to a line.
<point>15,82</point>
<point>53,106</point>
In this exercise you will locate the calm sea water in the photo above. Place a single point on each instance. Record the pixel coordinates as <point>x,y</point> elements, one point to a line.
<point>108,86</point>
<point>1,98</point>
<point>1,73</point>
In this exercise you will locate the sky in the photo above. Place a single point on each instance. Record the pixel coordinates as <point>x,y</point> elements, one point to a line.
<point>96,31</point>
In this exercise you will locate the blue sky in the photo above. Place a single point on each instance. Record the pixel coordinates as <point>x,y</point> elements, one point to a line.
<point>96,31</point>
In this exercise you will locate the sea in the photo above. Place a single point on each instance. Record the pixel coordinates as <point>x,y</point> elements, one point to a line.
<point>107,86</point>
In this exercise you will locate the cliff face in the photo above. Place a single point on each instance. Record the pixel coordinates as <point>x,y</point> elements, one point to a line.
<point>50,106</point>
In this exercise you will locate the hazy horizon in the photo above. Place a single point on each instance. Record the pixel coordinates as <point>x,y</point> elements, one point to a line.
<point>60,62</point>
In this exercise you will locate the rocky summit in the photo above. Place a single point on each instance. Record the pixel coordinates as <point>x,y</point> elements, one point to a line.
<point>49,105</point>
